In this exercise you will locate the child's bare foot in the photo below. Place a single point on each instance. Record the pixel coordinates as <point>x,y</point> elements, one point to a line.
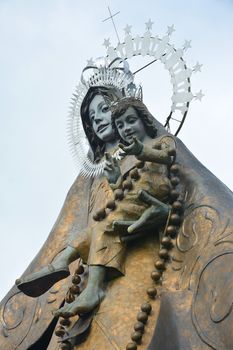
<point>86,302</point>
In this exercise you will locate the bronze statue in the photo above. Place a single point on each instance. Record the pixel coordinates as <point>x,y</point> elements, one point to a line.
<point>176,288</point>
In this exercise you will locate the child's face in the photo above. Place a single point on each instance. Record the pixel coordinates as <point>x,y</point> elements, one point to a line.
<point>129,125</point>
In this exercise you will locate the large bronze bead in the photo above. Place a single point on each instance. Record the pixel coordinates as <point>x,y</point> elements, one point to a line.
<point>119,194</point>
<point>101,213</point>
<point>96,217</point>
<point>140,164</point>
<point>152,292</point>
<point>175,168</point>
<point>74,289</point>
<point>166,242</point>
<point>136,336</point>
<point>160,265</point>
<point>171,152</point>
<point>134,174</point>
<point>65,346</point>
<point>175,219</point>
<point>142,317</point>
<point>69,297</point>
<point>79,270</point>
<point>175,181</point>
<point>65,322</point>
<point>76,279</point>
<point>139,326</point>
<point>177,206</point>
<point>60,331</point>
<point>127,185</point>
<point>146,307</point>
<point>171,231</point>
<point>163,253</point>
<point>174,194</point>
<point>131,346</point>
<point>156,275</point>
<point>111,204</point>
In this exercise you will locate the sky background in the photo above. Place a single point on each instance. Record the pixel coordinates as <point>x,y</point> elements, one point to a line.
<point>44,47</point>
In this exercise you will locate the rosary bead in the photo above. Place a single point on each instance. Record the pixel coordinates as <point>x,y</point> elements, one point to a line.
<point>76,279</point>
<point>166,242</point>
<point>95,217</point>
<point>171,152</point>
<point>70,298</point>
<point>60,331</point>
<point>99,215</point>
<point>65,322</point>
<point>152,292</point>
<point>146,307</point>
<point>134,174</point>
<point>142,317</point>
<point>177,206</point>
<point>175,181</point>
<point>74,289</point>
<point>156,275</point>
<point>79,270</point>
<point>127,185</point>
<point>65,346</point>
<point>140,164</point>
<point>160,265</point>
<point>175,169</point>
<point>111,204</point>
<point>119,194</point>
<point>174,194</point>
<point>175,219</point>
<point>131,346</point>
<point>139,326</point>
<point>171,230</point>
<point>136,336</point>
<point>163,253</point>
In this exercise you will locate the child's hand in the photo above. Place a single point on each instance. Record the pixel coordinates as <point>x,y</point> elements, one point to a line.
<point>135,147</point>
<point>111,169</point>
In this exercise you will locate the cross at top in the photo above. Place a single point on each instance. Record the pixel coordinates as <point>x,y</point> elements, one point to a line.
<point>111,17</point>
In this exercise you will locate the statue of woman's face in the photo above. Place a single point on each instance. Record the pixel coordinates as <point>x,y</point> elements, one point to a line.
<point>100,117</point>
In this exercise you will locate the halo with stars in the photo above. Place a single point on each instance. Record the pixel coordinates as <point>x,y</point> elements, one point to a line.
<point>160,49</point>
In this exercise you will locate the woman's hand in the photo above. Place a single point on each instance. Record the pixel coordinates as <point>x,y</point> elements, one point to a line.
<point>111,169</point>
<point>134,148</point>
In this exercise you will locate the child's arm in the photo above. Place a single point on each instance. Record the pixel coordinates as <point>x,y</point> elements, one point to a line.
<point>161,151</point>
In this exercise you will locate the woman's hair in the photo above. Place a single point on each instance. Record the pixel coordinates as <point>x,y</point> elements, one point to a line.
<point>110,95</point>
<point>146,117</point>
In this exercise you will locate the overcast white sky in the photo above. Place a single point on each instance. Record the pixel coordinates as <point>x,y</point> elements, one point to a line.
<point>44,46</point>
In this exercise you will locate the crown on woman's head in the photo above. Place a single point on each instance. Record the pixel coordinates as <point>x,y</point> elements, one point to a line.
<point>114,74</point>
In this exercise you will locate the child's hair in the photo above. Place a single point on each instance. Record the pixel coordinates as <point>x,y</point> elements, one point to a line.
<point>96,144</point>
<point>146,117</point>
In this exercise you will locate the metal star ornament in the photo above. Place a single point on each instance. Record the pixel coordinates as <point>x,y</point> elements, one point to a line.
<point>106,43</point>
<point>187,44</point>
<point>199,95</point>
<point>149,24</point>
<point>90,62</point>
<point>127,29</point>
<point>170,29</point>
<point>197,67</point>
